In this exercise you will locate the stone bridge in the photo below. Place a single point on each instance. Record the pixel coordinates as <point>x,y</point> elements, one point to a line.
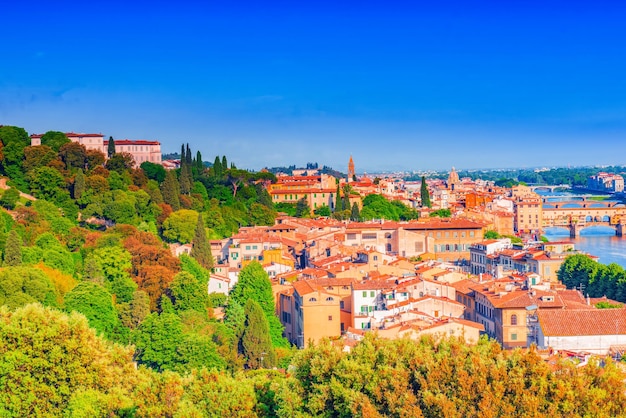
<point>578,218</point>
<point>546,187</point>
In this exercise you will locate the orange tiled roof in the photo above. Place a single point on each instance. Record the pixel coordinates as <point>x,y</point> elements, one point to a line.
<point>564,322</point>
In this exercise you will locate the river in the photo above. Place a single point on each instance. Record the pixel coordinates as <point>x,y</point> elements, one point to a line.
<point>599,241</point>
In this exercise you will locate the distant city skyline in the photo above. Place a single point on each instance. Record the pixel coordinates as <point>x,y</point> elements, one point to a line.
<point>398,87</point>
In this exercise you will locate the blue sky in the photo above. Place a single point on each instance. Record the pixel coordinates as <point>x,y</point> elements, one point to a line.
<point>398,86</point>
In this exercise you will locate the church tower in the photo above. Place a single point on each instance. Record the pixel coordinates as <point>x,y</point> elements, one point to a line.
<point>453,179</point>
<point>351,173</point>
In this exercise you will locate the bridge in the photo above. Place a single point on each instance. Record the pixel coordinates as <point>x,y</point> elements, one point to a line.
<point>550,188</point>
<point>571,202</point>
<point>575,228</point>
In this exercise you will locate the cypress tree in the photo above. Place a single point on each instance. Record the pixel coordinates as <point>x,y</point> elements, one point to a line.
<point>345,205</point>
<point>201,247</point>
<point>224,163</point>
<point>111,147</point>
<point>338,201</point>
<point>188,160</point>
<point>424,193</point>
<point>256,341</point>
<point>170,190</point>
<point>355,215</point>
<point>13,250</point>
<point>79,184</point>
<point>217,167</point>
<point>199,165</point>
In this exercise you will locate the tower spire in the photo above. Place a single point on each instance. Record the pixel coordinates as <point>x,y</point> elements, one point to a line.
<point>351,172</point>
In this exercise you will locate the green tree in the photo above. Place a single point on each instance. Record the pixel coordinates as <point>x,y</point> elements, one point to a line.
<point>489,234</point>
<point>54,140</point>
<point>79,185</point>
<point>10,198</point>
<point>153,171</point>
<point>254,283</point>
<point>256,341</point>
<point>20,285</point>
<point>323,210</point>
<point>13,249</point>
<point>201,247</point>
<point>121,162</point>
<point>110,147</point>
<point>217,167</point>
<point>38,156</point>
<point>424,194</point>
<point>181,226</point>
<point>63,360</point>
<point>171,190</point>
<point>74,155</point>
<point>355,213</point>
<point>96,304</point>
<point>188,293</point>
<point>441,213</point>
<point>302,208</point>
<point>199,165</point>
<point>157,341</point>
<point>338,200</point>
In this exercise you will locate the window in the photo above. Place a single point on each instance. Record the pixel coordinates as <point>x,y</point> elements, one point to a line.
<point>447,234</point>
<point>513,337</point>
<point>364,293</point>
<point>247,247</point>
<point>364,309</point>
<point>513,319</point>
<point>372,294</point>
<point>330,317</point>
<point>471,234</point>
<point>375,258</point>
<point>329,299</point>
<point>341,304</point>
<point>312,300</point>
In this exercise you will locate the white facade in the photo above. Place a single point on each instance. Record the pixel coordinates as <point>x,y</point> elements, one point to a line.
<point>593,344</point>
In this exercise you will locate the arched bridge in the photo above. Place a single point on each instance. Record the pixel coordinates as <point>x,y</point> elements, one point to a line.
<point>549,188</point>
<point>577,219</point>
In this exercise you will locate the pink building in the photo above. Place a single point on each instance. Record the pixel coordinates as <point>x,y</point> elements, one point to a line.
<point>141,150</point>
<point>89,141</point>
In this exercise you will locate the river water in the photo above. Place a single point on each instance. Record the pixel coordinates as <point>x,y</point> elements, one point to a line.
<point>599,241</point>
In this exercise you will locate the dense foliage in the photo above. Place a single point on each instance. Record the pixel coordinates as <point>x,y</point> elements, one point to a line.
<point>593,278</point>
<point>53,364</point>
<point>377,207</point>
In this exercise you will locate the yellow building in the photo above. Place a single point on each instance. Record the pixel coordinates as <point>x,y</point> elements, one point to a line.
<point>315,309</point>
<point>528,215</point>
<point>317,190</point>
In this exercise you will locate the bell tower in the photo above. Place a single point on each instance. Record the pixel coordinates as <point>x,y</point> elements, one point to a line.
<point>351,173</point>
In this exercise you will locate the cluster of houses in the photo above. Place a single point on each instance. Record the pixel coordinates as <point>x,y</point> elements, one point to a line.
<point>331,282</point>
<point>439,276</point>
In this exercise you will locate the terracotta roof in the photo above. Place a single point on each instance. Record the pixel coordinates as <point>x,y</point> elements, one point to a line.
<point>132,142</point>
<point>373,284</point>
<point>564,322</point>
